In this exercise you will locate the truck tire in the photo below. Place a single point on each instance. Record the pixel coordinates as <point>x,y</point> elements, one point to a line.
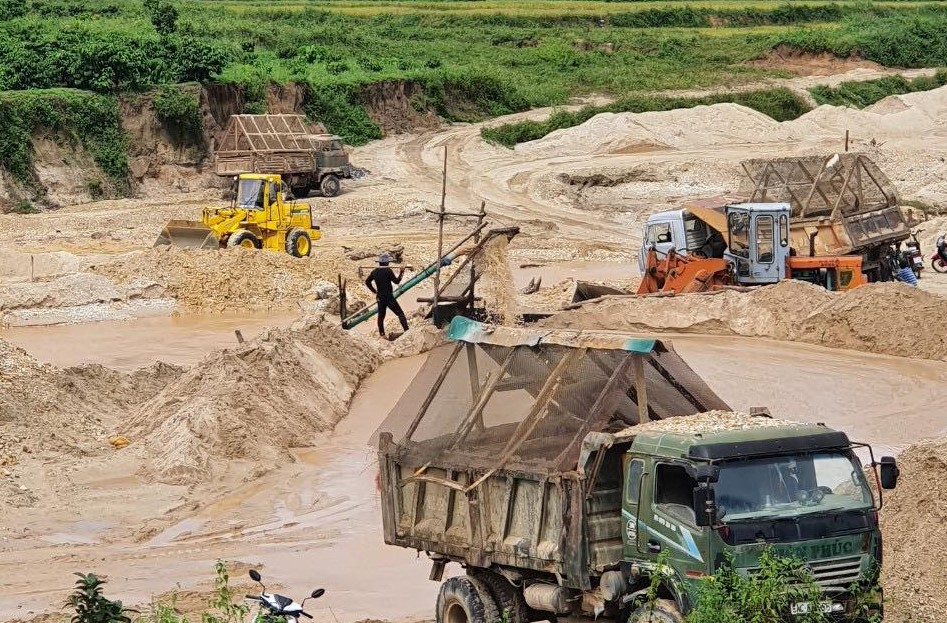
<point>330,186</point>
<point>464,599</point>
<point>298,243</point>
<point>664,611</point>
<point>508,598</point>
<point>243,238</point>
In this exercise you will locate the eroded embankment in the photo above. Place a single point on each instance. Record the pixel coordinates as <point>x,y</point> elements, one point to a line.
<point>886,318</point>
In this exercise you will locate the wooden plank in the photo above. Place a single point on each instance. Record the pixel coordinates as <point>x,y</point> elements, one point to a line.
<point>641,389</point>
<point>467,424</point>
<point>434,389</point>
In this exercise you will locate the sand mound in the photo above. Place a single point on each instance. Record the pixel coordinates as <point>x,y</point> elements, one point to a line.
<point>889,318</point>
<point>912,520</point>
<point>253,402</point>
<point>44,408</point>
<point>902,116</point>
<point>702,126</point>
<point>231,278</point>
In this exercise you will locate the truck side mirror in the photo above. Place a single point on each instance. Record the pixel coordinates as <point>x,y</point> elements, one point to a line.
<point>889,472</point>
<point>704,473</point>
<point>705,506</point>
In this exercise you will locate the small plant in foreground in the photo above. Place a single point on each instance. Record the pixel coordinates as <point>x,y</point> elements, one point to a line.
<point>91,606</point>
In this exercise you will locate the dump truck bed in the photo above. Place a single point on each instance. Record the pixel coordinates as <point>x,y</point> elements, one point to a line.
<point>500,451</point>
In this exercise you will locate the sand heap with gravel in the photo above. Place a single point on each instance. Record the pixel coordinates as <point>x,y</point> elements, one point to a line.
<point>912,521</point>
<point>252,403</point>
<point>888,318</point>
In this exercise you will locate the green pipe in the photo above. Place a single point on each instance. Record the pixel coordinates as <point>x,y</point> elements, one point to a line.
<point>372,309</point>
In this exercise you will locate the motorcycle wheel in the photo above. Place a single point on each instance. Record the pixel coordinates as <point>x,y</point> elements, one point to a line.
<point>939,265</point>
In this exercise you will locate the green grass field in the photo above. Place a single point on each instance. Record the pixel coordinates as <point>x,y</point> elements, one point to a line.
<point>471,59</point>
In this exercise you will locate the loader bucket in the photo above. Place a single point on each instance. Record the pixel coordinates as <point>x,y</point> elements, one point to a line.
<point>188,234</point>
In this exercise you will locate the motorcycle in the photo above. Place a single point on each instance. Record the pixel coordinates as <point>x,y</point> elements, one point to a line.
<point>939,259</point>
<point>912,253</point>
<point>898,265</point>
<point>279,608</point>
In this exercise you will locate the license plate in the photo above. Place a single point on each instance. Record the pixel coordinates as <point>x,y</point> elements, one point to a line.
<point>804,607</point>
<point>917,261</point>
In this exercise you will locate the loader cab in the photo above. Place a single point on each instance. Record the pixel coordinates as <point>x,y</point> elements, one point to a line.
<point>758,241</point>
<point>250,193</point>
<point>675,229</point>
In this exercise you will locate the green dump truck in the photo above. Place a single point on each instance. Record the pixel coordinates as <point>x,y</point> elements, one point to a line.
<point>556,467</point>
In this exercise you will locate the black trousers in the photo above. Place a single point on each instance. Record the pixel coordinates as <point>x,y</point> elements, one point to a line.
<point>384,304</point>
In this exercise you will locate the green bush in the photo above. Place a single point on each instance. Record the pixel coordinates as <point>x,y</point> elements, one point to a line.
<point>179,110</point>
<point>91,606</point>
<point>866,93</point>
<point>90,119</point>
<point>764,597</point>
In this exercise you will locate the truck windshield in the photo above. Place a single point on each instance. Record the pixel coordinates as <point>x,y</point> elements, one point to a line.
<point>789,486</point>
<point>250,194</point>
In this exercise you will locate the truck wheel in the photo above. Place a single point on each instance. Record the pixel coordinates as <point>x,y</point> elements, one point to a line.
<point>464,599</point>
<point>330,186</point>
<point>243,238</point>
<point>508,598</point>
<point>298,243</point>
<point>664,611</point>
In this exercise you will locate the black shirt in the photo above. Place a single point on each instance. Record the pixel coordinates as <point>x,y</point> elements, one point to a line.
<point>382,277</point>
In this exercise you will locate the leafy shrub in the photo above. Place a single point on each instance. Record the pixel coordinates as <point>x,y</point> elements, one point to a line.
<point>12,8</point>
<point>179,110</point>
<point>163,16</point>
<point>91,606</point>
<point>866,93</point>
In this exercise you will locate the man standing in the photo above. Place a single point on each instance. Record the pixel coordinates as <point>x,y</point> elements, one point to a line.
<point>380,283</point>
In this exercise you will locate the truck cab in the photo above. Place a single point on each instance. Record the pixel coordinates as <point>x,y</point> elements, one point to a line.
<point>758,241</point>
<point>674,229</point>
<point>702,498</point>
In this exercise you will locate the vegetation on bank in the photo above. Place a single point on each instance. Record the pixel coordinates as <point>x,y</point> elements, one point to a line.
<point>866,93</point>
<point>89,119</point>
<point>780,104</point>
<point>469,60</point>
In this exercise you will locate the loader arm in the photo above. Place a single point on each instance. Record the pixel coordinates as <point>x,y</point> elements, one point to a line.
<point>679,274</point>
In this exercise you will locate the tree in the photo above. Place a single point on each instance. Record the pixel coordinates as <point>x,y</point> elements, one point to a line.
<point>163,15</point>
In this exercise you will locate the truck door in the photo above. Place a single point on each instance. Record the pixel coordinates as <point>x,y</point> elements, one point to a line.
<point>671,521</point>
<point>658,234</point>
<point>634,475</point>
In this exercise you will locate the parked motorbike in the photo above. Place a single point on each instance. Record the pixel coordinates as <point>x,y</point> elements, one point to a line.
<point>912,253</point>
<point>899,266</point>
<point>939,259</point>
<point>279,608</point>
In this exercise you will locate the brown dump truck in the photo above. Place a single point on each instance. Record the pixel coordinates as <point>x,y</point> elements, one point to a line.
<point>284,144</point>
<point>554,467</point>
<point>842,204</point>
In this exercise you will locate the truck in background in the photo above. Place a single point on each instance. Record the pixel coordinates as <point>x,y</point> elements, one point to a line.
<point>283,144</point>
<point>566,470</point>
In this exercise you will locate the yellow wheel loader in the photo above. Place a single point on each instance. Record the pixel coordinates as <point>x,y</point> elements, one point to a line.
<point>257,218</point>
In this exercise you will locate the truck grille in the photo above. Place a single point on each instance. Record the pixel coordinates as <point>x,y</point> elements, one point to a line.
<point>839,572</point>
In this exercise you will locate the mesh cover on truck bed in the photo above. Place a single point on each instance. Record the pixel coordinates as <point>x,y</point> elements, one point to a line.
<point>525,399</point>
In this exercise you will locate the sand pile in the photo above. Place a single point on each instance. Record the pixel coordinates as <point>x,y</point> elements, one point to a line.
<point>913,520</point>
<point>252,403</point>
<point>43,408</point>
<point>706,423</point>
<point>900,116</point>
<point>889,318</point>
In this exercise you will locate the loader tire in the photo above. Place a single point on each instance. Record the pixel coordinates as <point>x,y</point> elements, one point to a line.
<point>243,238</point>
<point>330,186</point>
<point>508,598</point>
<point>662,611</point>
<point>298,243</point>
<point>464,599</point>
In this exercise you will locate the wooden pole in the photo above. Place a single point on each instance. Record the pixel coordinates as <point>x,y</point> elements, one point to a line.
<point>440,234</point>
<point>846,140</point>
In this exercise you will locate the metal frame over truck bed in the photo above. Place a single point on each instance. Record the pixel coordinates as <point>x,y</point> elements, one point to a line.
<point>491,457</point>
